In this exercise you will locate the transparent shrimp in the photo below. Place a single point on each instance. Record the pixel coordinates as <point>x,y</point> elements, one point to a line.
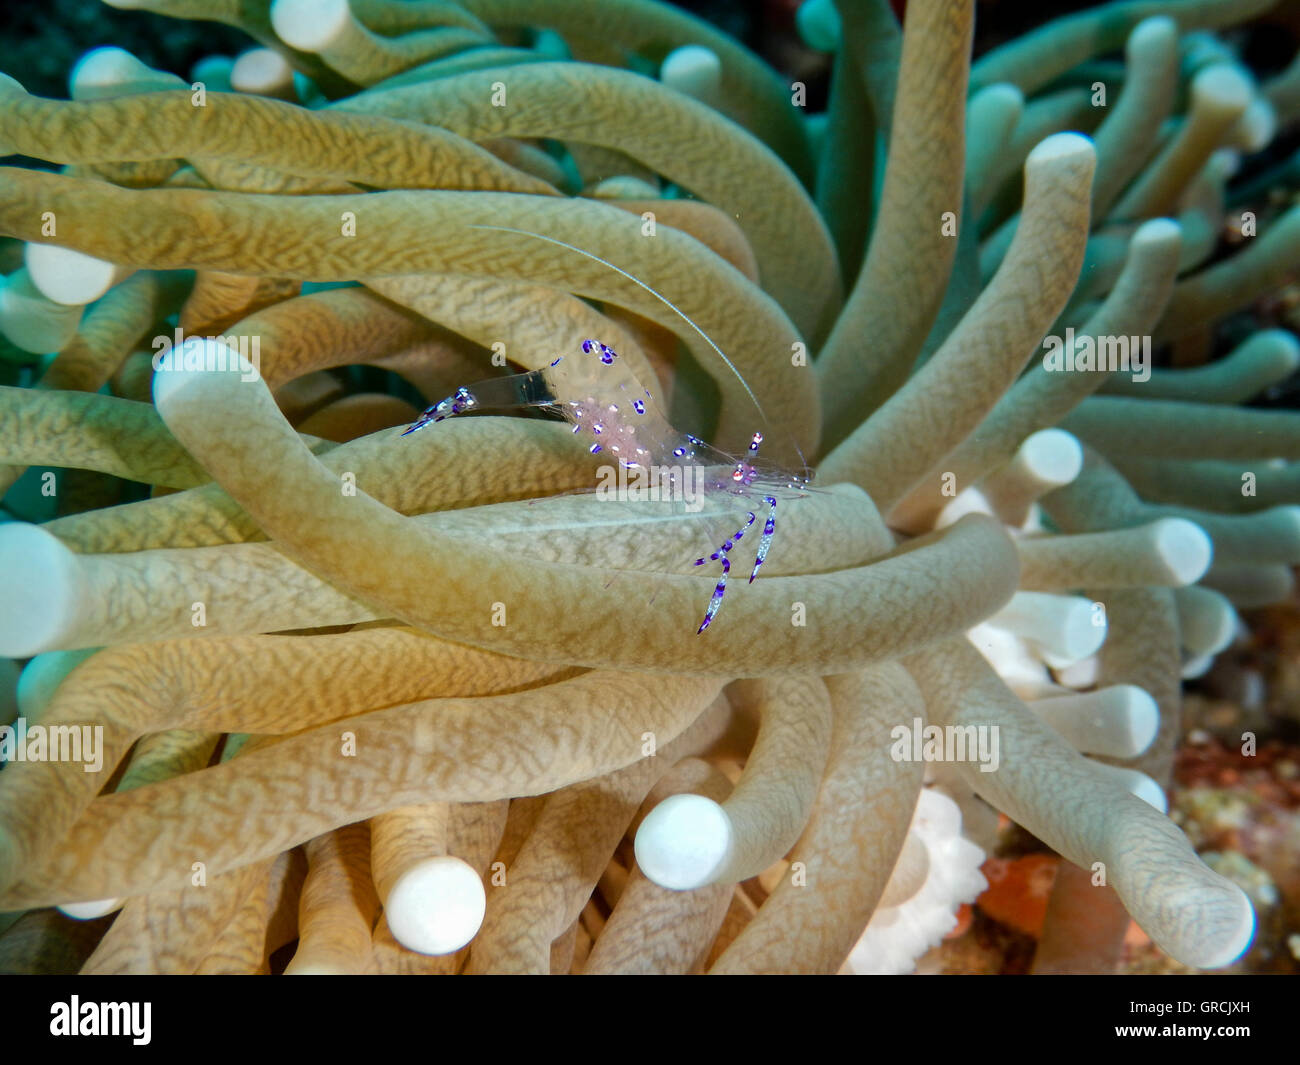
<point>600,397</point>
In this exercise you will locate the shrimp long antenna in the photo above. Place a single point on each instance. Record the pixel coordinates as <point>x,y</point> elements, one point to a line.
<point>657,295</point>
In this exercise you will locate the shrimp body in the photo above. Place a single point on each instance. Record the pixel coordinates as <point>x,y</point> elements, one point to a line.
<point>602,399</point>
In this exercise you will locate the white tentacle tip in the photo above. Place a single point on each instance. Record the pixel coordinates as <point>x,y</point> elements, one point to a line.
<point>1064,628</point>
<point>196,358</point>
<point>107,65</point>
<point>436,906</point>
<point>1148,791</point>
<point>1003,94</point>
<point>1156,31</point>
<point>1238,931</point>
<point>1257,126</point>
<point>311,25</point>
<point>692,69</point>
<point>1283,345</point>
<point>684,842</point>
<point>1207,621</point>
<point>109,71</point>
<point>1139,717</point>
<point>1185,549</point>
<point>88,911</point>
<point>1157,231</point>
<point>1061,146</point>
<point>1052,456</point>
<point>40,587</point>
<point>67,277</point>
<point>1222,86</point>
<point>261,71</point>
<point>1137,783</point>
<point>818,23</point>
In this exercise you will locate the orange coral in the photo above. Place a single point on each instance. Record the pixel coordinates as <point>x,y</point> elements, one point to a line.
<point>1018,890</point>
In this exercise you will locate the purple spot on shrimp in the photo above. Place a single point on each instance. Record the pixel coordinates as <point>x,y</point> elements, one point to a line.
<point>595,449</point>
<point>588,346</point>
<point>638,406</point>
<point>557,361</point>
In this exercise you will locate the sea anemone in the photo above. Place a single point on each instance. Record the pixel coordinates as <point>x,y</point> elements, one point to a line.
<point>370,703</point>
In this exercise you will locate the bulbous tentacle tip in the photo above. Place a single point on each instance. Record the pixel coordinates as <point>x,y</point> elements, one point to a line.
<point>1185,549</point>
<point>1155,231</point>
<point>88,911</point>
<point>436,906</point>
<point>1060,146</point>
<point>1158,31</point>
<point>68,277</point>
<point>195,359</point>
<point>693,70</point>
<point>311,25</point>
<point>819,26</point>
<point>40,585</point>
<point>1234,918</point>
<point>684,842</point>
<point>1139,718</point>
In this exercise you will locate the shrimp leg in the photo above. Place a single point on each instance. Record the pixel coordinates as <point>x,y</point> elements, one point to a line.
<point>720,555</point>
